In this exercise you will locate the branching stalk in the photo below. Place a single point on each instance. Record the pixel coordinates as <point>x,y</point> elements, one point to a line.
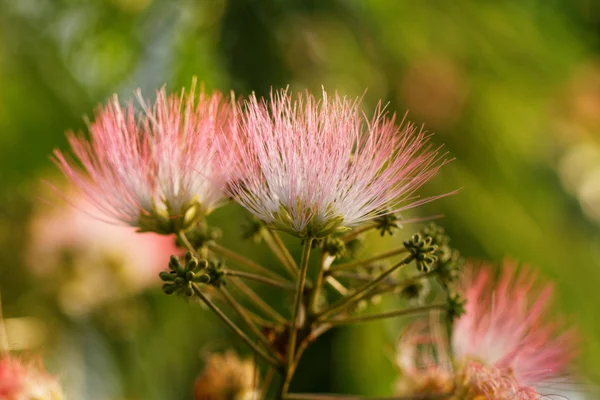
<point>291,350</point>
<point>257,301</point>
<point>262,279</point>
<point>276,249</point>
<point>225,252</point>
<point>359,263</point>
<point>390,314</point>
<point>337,285</point>
<point>361,277</point>
<point>314,295</point>
<point>242,313</point>
<point>267,382</point>
<point>359,293</point>
<point>402,284</point>
<point>253,346</point>
<point>181,235</point>
<point>291,264</point>
<point>353,234</point>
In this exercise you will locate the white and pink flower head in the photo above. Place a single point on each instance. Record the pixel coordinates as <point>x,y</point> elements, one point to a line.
<point>504,346</point>
<point>156,169</point>
<point>315,166</point>
<point>21,381</point>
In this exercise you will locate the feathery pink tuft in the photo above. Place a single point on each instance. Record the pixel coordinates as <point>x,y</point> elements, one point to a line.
<point>504,326</point>
<point>12,376</point>
<point>311,166</point>
<point>162,162</point>
<point>503,347</point>
<point>19,381</point>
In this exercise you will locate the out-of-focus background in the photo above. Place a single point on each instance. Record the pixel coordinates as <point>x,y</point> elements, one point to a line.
<point>511,87</point>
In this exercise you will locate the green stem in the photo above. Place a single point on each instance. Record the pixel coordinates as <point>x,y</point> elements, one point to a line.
<point>242,313</point>
<point>218,249</point>
<point>352,235</point>
<point>253,346</point>
<point>291,350</point>
<point>397,286</point>
<point>267,382</point>
<point>262,279</point>
<point>361,291</point>
<point>291,264</point>
<point>360,277</point>
<point>257,301</point>
<point>270,240</point>
<point>258,319</point>
<point>368,260</point>
<point>337,285</point>
<point>311,337</point>
<point>390,314</point>
<point>188,245</point>
<point>314,295</point>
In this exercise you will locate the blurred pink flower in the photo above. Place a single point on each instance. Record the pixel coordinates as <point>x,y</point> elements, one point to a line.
<point>313,166</point>
<point>506,326</point>
<point>93,253</point>
<point>503,346</point>
<point>157,168</point>
<point>19,381</point>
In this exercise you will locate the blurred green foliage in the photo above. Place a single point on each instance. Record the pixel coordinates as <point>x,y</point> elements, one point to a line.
<point>511,87</point>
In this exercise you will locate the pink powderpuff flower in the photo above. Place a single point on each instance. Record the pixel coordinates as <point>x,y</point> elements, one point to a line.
<point>316,166</point>
<point>506,325</point>
<point>83,253</point>
<point>156,170</point>
<point>19,381</point>
<point>503,346</point>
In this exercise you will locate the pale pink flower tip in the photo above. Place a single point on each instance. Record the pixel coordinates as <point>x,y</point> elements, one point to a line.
<point>151,168</point>
<point>312,166</point>
<point>19,381</point>
<point>504,347</point>
<point>506,326</point>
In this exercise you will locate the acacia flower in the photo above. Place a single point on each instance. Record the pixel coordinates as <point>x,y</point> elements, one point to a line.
<point>20,381</point>
<point>503,347</point>
<point>316,166</point>
<point>155,169</point>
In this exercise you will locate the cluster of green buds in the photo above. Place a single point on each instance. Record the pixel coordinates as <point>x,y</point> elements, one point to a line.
<point>181,276</point>
<point>423,251</point>
<point>200,235</point>
<point>387,223</point>
<point>449,262</point>
<point>455,306</point>
<point>447,268</point>
<point>416,291</point>
<point>334,246</point>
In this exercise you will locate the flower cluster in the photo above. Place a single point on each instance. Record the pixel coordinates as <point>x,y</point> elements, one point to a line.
<point>503,346</point>
<point>322,170</point>
<point>307,166</point>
